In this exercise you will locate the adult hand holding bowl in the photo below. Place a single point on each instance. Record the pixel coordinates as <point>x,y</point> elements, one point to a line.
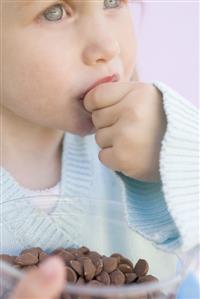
<point>47,281</point>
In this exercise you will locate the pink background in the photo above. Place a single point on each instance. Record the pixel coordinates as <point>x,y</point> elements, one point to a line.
<point>168,44</point>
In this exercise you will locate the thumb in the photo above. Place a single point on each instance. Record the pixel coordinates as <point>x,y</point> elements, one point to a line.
<point>46,282</point>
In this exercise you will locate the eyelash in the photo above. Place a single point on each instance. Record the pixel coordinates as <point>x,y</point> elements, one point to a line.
<point>64,10</point>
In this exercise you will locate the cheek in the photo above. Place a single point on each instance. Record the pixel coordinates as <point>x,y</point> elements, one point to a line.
<point>128,47</point>
<point>36,79</point>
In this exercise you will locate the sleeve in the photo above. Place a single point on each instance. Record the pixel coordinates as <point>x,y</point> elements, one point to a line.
<point>167,212</point>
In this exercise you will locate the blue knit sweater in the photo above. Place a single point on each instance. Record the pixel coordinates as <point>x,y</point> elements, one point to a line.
<point>166,213</point>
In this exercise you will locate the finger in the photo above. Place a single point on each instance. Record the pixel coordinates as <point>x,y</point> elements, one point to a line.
<point>46,282</point>
<point>104,137</point>
<point>106,94</point>
<point>105,117</point>
<point>107,157</point>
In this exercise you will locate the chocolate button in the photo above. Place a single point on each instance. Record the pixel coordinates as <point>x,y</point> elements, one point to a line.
<point>125,268</point>
<point>104,278</point>
<point>26,259</point>
<point>93,255</point>
<point>130,277</point>
<point>57,250</point>
<point>99,266</point>
<point>89,269</point>
<point>95,283</point>
<point>117,256</point>
<point>126,261</point>
<point>66,256</point>
<point>71,275</point>
<point>83,250</point>
<point>147,278</point>
<point>76,265</point>
<point>141,267</point>
<point>109,264</point>
<point>33,250</point>
<point>81,259</point>
<point>117,277</point>
<point>71,250</point>
<point>97,261</point>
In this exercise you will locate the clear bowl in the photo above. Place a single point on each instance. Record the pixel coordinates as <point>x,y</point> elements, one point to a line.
<point>100,225</point>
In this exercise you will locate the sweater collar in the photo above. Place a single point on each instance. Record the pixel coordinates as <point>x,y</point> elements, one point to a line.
<point>76,170</point>
<point>28,222</point>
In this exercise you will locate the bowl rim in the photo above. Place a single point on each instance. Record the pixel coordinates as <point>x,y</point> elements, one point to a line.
<point>102,291</point>
<point>126,290</point>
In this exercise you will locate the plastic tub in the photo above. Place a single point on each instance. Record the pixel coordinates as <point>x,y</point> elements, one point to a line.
<point>102,226</point>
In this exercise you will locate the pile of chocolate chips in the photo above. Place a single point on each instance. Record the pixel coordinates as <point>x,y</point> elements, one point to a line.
<point>84,266</point>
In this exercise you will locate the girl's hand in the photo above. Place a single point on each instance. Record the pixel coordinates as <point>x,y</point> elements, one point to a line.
<point>130,124</point>
<point>46,282</point>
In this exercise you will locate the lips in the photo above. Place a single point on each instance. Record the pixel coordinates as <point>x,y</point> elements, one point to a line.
<point>113,78</point>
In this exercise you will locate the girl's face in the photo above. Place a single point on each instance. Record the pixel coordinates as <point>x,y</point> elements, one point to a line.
<point>53,51</point>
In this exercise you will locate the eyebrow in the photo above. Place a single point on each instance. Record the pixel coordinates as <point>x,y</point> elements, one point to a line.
<point>29,2</point>
<point>25,2</point>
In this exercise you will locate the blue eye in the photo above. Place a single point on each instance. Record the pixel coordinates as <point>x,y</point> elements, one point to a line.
<point>112,3</point>
<point>54,13</point>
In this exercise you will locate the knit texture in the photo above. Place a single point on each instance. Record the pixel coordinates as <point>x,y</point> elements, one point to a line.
<point>165,213</point>
<point>168,212</point>
<point>179,165</point>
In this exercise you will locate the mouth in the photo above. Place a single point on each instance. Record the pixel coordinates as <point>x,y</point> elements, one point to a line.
<point>113,78</point>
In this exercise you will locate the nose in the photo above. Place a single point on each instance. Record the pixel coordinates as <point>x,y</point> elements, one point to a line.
<point>101,44</point>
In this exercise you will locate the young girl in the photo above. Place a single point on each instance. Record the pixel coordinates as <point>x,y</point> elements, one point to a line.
<point>76,121</point>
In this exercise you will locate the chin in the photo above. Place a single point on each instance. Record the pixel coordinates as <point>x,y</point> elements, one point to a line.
<point>86,129</point>
<point>81,128</point>
<point>80,122</point>
<point>91,132</point>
